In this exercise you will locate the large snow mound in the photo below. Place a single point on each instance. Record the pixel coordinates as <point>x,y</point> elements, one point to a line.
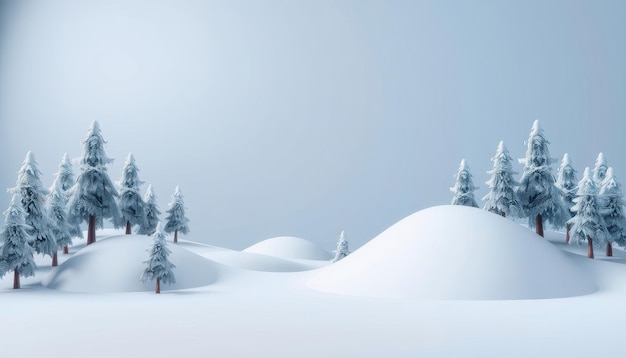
<point>288,247</point>
<point>115,264</point>
<point>456,252</point>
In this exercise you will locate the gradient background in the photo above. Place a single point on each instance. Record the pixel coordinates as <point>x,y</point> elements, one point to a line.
<point>306,118</point>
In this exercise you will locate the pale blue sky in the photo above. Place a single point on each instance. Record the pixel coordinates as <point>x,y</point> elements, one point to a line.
<point>306,118</point>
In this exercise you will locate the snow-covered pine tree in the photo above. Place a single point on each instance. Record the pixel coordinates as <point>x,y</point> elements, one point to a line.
<point>152,213</point>
<point>587,223</point>
<point>131,204</point>
<point>599,170</point>
<point>567,183</point>
<point>613,211</point>
<point>539,196</point>
<point>502,198</point>
<point>33,197</point>
<point>65,176</point>
<point>342,248</point>
<point>464,188</point>
<point>176,219</point>
<point>57,201</point>
<point>159,268</point>
<point>92,198</point>
<point>15,252</point>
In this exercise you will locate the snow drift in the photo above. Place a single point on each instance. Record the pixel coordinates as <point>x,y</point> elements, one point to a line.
<point>288,247</point>
<point>456,252</point>
<point>115,264</point>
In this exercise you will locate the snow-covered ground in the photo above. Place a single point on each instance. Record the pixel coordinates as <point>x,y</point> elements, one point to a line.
<point>447,281</point>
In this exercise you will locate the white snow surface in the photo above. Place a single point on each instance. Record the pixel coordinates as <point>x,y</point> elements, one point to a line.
<point>456,252</point>
<point>228,303</point>
<point>289,247</point>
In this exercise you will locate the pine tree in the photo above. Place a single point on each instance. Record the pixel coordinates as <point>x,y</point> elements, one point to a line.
<point>131,204</point>
<point>92,198</point>
<point>464,188</point>
<point>176,219</point>
<point>33,197</point>
<point>502,198</point>
<point>587,223</point>
<point>57,201</point>
<point>65,176</point>
<point>599,170</point>
<point>537,192</point>
<point>613,211</point>
<point>342,248</point>
<point>159,267</point>
<point>15,252</point>
<point>152,213</point>
<point>567,183</point>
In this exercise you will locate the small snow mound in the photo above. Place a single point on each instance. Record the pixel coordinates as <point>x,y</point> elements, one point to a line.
<point>115,264</point>
<point>288,247</point>
<point>456,252</point>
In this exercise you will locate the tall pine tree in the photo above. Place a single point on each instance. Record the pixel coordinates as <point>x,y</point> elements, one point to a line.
<point>57,201</point>
<point>92,198</point>
<point>502,198</point>
<point>159,268</point>
<point>567,183</point>
<point>131,204</point>
<point>152,213</point>
<point>176,221</point>
<point>537,192</point>
<point>16,254</point>
<point>33,197</point>
<point>463,189</point>
<point>587,223</point>
<point>613,211</point>
<point>65,176</point>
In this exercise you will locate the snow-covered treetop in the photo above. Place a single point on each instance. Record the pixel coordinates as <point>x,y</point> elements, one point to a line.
<point>610,186</point>
<point>66,173</point>
<point>599,169</point>
<point>464,179</point>
<point>537,152</point>
<point>177,197</point>
<point>566,177</point>
<point>502,160</point>
<point>587,185</point>
<point>130,178</point>
<point>150,196</point>
<point>15,214</point>
<point>29,175</point>
<point>93,148</point>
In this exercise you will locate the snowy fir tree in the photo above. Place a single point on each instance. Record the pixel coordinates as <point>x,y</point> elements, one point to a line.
<point>16,254</point>
<point>65,177</point>
<point>152,213</point>
<point>131,204</point>
<point>92,198</point>
<point>587,223</point>
<point>539,196</point>
<point>613,211</point>
<point>342,248</point>
<point>33,197</point>
<point>567,184</point>
<point>57,201</point>
<point>159,268</point>
<point>176,221</point>
<point>464,188</point>
<point>502,198</point>
<point>599,170</point>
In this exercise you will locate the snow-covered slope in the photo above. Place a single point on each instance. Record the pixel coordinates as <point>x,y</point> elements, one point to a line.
<point>456,252</point>
<point>115,264</point>
<point>288,247</point>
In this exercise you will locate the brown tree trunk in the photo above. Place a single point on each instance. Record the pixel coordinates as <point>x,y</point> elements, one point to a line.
<point>589,247</point>
<point>158,285</point>
<point>66,250</point>
<point>503,214</point>
<point>609,249</point>
<point>91,230</point>
<point>175,235</point>
<point>539,225</point>
<point>128,228</point>
<point>16,279</point>
<point>567,228</point>
<point>55,260</point>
